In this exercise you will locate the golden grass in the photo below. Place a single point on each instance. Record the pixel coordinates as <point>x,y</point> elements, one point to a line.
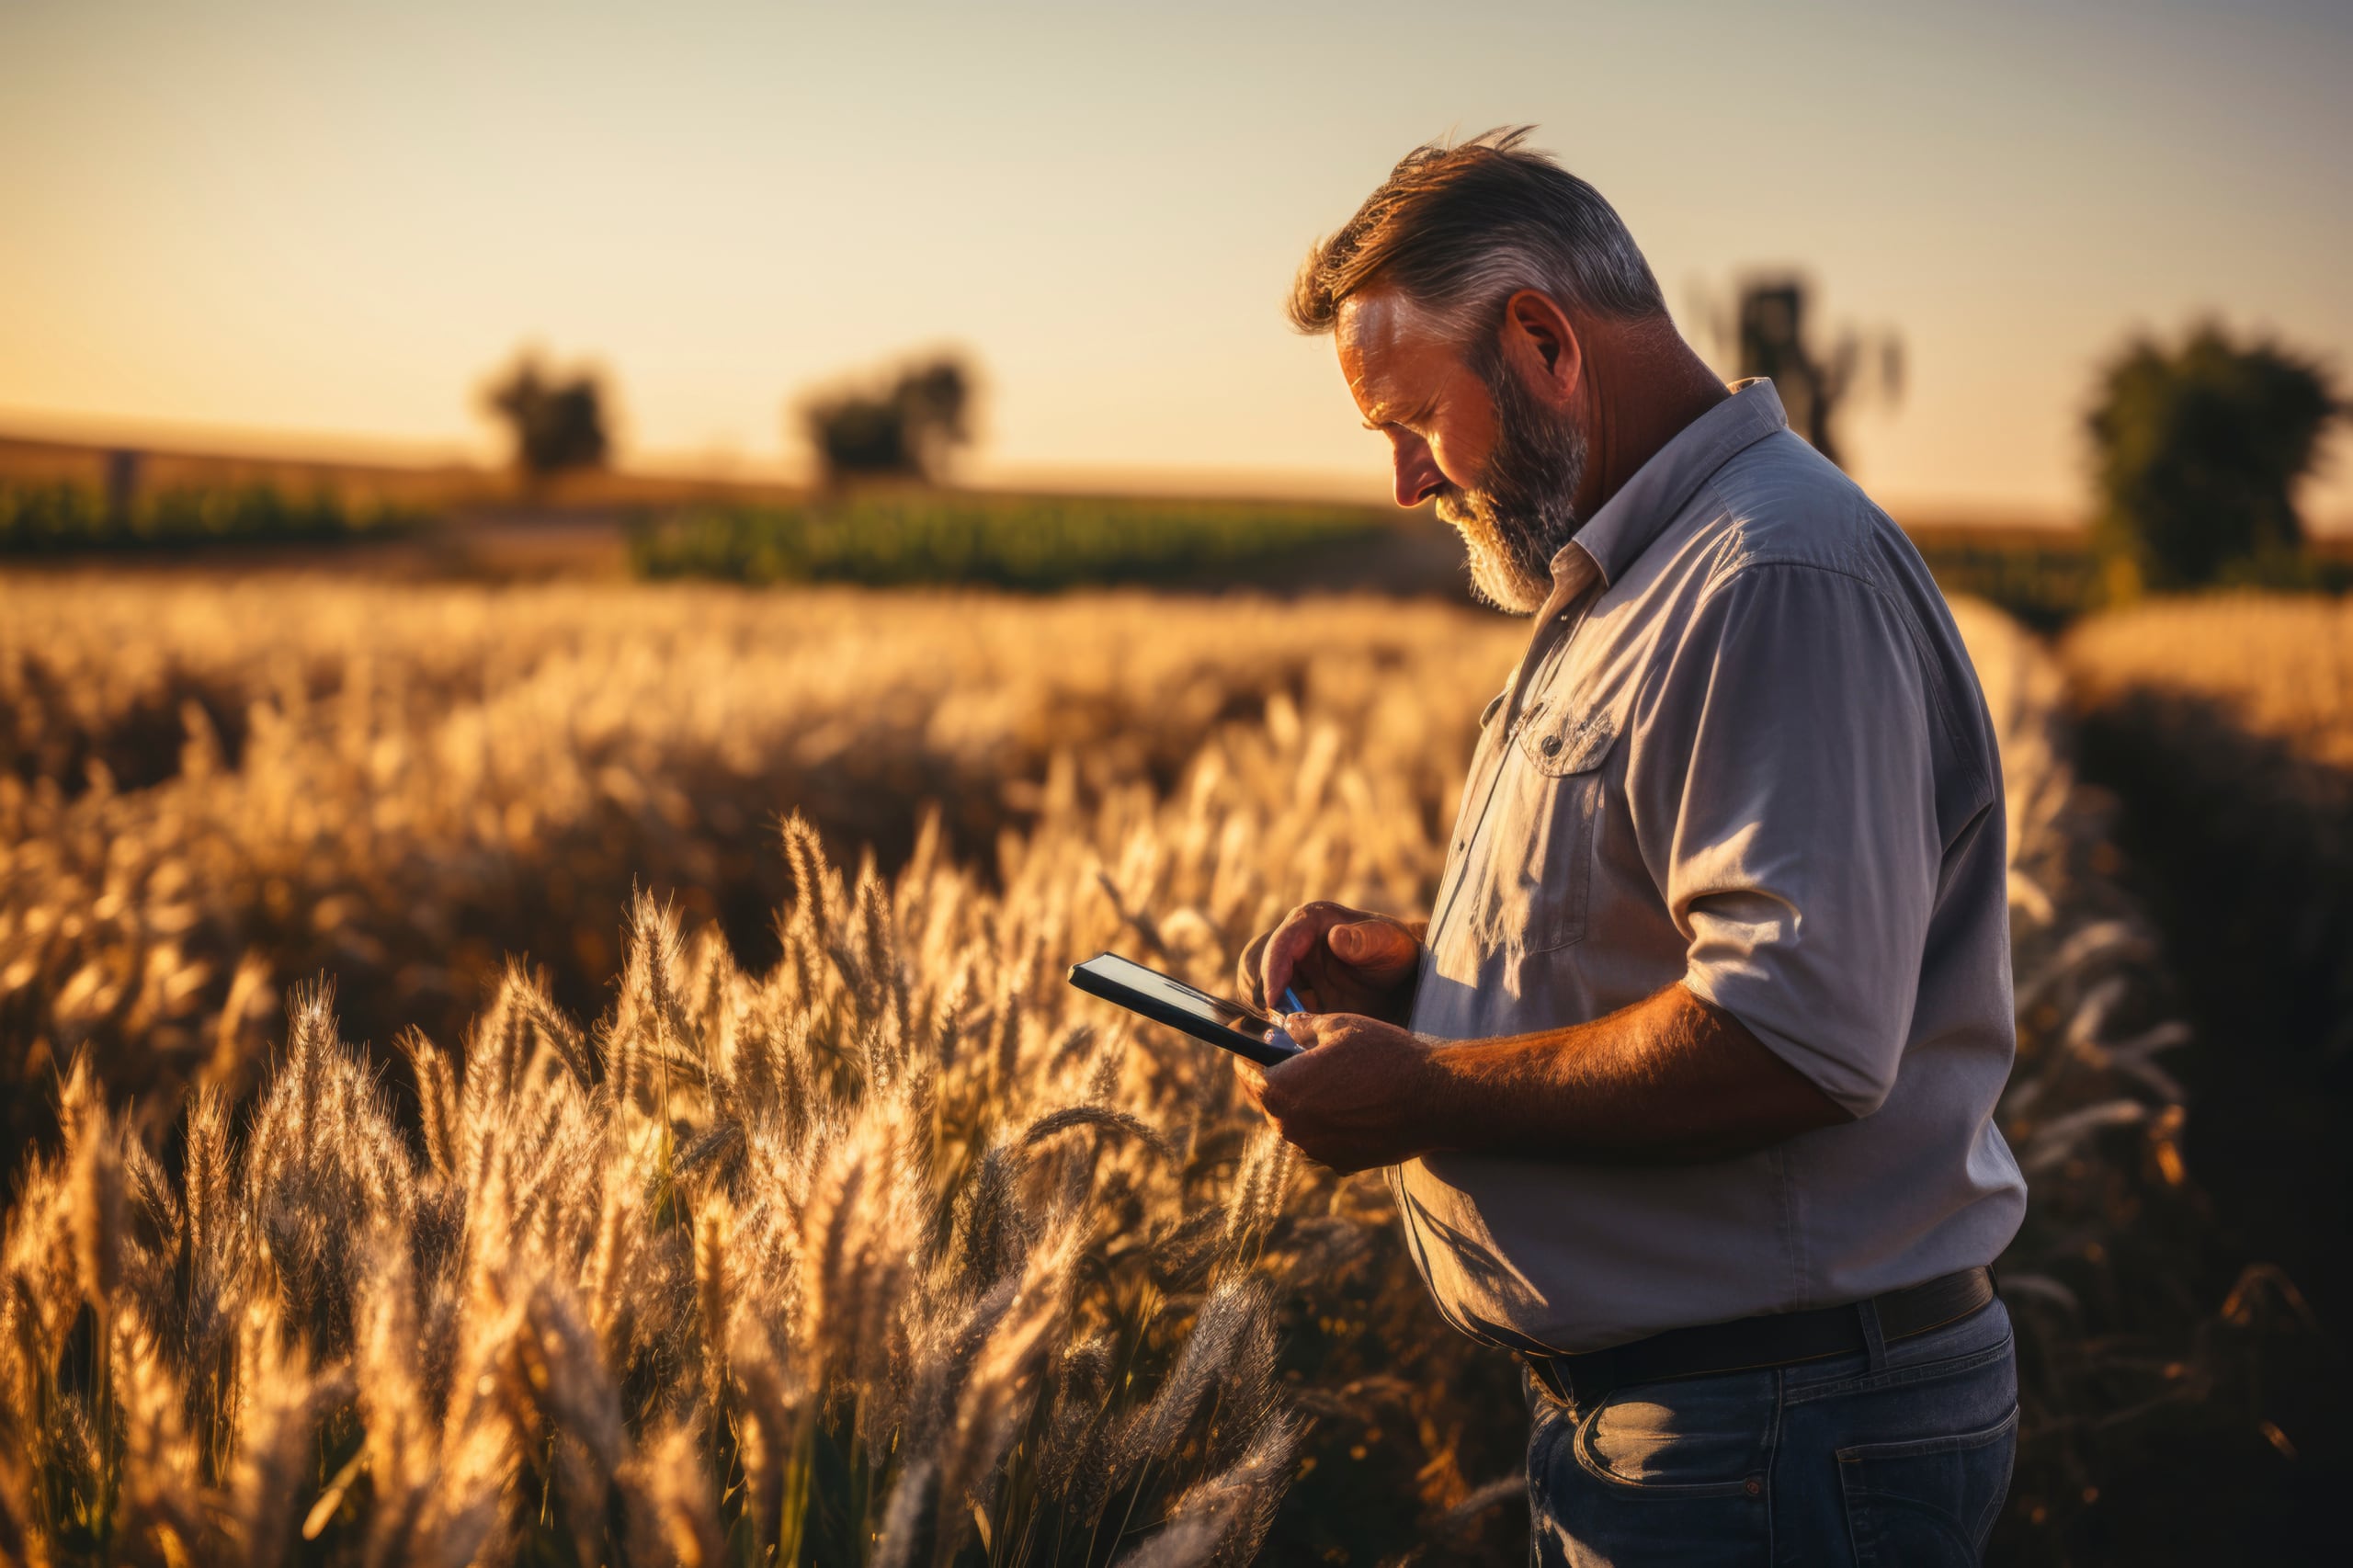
<point>2228,721</point>
<point>2282,665</point>
<point>861,1239</point>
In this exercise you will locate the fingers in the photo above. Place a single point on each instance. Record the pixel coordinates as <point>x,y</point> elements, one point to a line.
<point>1381,946</point>
<point>1302,1027</point>
<point>1249,976</point>
<point>1301,930</point>
<point>1252,1081</point>
<point>1286,945</point>
<point>1327,947</point>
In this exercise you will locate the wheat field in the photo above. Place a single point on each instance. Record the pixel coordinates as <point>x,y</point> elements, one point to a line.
<point>711,1188</point>
<point>2234,713</point>
<point>2282,666</point>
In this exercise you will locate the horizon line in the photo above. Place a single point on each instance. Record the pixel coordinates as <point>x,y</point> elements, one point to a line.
<point>423,458</point>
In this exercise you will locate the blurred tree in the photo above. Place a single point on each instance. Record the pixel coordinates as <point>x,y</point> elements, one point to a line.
<point>906,424</point>
<point>557,425</point>
<point>1766,333</point>
<point>2198,450</point>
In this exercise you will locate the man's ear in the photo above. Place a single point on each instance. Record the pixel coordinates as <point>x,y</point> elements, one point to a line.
<point>1541,341</point>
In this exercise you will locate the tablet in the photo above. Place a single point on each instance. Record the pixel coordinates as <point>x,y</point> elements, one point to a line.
<point>1166,1000</point>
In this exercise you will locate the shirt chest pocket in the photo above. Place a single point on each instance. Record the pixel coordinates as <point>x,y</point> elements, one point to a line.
<point>1539,853</point>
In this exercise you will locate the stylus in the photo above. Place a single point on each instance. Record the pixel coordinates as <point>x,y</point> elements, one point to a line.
<point>1291,1004</point>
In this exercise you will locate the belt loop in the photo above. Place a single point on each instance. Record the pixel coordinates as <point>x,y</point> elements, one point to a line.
<point>1874,1342</point>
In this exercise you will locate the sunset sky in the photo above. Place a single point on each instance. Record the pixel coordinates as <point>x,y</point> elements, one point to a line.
<point>325,223</point>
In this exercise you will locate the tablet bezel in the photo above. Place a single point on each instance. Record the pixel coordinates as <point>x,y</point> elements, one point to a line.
<point>1096,984</point>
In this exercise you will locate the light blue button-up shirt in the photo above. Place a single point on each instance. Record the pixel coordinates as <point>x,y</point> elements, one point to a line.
<point>1745,752</point>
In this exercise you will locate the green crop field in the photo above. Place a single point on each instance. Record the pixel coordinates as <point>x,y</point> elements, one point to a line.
<point>63,518</point>
<point>1012,541</point>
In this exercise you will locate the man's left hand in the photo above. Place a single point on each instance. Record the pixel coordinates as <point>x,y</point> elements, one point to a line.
<point>1363,1092</point>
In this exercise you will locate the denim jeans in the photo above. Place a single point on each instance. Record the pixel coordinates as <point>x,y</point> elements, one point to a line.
<point>1897,1456</point>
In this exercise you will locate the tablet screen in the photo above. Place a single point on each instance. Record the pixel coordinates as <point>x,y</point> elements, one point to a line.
<point>1177,993</point>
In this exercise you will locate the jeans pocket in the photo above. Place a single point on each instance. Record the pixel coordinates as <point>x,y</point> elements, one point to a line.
<point>1703,1438</point>
<point>1930,1500</point>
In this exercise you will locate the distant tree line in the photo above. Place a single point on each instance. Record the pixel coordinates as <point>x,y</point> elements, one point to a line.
<point>2199,447</point>
<point>906,422</point>
<point>558,423</point>
<point>2199,444</point>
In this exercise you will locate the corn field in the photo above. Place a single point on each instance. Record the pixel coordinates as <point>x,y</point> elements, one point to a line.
<point>729,1176</point>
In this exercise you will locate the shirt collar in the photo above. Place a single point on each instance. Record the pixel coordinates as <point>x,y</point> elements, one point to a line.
<point>1645,504</point>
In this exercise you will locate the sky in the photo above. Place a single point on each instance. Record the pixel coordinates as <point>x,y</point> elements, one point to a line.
<point>324,224</point>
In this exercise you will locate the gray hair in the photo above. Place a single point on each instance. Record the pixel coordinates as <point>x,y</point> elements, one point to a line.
<point>1459,230</point>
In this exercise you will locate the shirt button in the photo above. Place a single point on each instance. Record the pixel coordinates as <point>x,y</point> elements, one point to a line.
<point>1551,745</point>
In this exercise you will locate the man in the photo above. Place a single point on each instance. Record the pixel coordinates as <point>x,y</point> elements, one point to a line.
<point>1688,1082</point>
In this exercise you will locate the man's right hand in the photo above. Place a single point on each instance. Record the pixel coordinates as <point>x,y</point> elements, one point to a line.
<point>1338,959</point>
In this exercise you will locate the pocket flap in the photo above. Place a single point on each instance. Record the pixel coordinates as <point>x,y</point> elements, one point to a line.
<point>1576,745</point>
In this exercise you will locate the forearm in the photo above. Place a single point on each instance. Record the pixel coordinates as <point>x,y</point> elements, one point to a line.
<point>1669,1080</point>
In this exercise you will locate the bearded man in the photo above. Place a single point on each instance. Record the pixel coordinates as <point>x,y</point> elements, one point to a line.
<point>1687,1084</point>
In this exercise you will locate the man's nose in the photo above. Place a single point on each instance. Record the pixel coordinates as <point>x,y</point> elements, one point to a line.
<point>1418,475</point>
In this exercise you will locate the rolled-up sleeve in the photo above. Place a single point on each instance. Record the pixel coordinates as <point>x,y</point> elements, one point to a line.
<point>1787,793</point>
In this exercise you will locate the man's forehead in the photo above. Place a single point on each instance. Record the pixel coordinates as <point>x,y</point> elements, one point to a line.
<point>1378,320</point>
<point>1381,335</point>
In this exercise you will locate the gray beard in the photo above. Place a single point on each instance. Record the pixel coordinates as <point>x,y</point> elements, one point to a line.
<point>1519,514</point>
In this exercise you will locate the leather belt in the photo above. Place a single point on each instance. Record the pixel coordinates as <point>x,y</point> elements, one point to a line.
<point>1778,1339</point>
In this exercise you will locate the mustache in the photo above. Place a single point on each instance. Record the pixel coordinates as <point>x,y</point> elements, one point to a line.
<point>1508,506</point>
<point>1467,500</point>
